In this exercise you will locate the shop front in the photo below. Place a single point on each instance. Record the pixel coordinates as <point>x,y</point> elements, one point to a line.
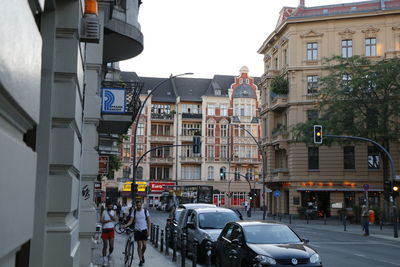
<point>126,193</point>
<point>155,193</point>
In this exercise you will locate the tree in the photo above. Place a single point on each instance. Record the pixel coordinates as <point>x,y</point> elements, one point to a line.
<point>280,85</point>
<point>357,97</point>
<point>114,164</point>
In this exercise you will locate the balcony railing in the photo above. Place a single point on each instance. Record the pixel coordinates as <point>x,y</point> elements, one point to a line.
<point>162,116</point>
<point>245,160</point>
<point>280,134</point>
<point>191,159</point>
<point>279,102</point>
<point>192,116</point>
<point>159,138</point>
<point>161,160</point>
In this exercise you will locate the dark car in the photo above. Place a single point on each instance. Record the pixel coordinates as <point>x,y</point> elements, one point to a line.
<point>262,244</point>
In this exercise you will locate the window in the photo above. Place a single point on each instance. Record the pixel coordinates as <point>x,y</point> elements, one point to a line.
<point>217,91</point>
<point>161,129</point>
<point>159,173</point>
<point>313,158</point>
<point>127,151</point>
<point>346,83</point>
<point>312,84</point>
<point>312,114</point>
<point>163,152</point>
<point>126,171</point>
<point>191,108</point>
<point>347,48</point>
<point>211,109</point>
<point>189,129</point>
<point>224,130</point>
<point>370,47</point>
<point>210,129</point>
<point>161,108</point>
<point>224,110</point>
<point>349,158</point>
<point>140,129</point>
<point>210,173</point>
<point>276,63</point>
<point>139,173</point>
<point>139,150</point>
<point>373,158</point>
<point>312,51</point>
<point>191,172</point>
<point>224,152</point>
<point>349,199</point>
<point>285,57</point>
<point>210,151</point>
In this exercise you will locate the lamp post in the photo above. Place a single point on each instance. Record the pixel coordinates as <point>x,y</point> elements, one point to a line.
<point>263,166</point>
<point>136,126</point>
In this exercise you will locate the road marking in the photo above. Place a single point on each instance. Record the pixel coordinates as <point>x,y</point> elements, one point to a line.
<point>371,258</point>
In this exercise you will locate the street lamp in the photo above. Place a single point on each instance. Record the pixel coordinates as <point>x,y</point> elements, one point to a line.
<point>136,126</point>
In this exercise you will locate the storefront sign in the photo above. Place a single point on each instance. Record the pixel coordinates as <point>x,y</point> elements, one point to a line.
<point>157,187</point>
<point>103,164</point>
<point>126,187</point>
<point>113,100</point>
<point>97,187</point>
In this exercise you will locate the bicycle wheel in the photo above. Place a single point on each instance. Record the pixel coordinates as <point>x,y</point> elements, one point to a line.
<point>132,252</point>
<point>119,228</point>
<point>129,251</point>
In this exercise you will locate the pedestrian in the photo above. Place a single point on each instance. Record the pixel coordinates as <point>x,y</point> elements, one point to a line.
<point>364,220</point>
<point>140,218</point>
<point>107,218</point>
<point>246,204</point>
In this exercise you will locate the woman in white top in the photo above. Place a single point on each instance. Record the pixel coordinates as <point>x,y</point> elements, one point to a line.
<point>107,218</point>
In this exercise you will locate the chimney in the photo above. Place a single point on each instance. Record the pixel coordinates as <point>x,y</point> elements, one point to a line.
<point>383,4</point>
<point>302,3</point>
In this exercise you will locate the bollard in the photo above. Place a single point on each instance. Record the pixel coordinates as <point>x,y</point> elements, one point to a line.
<point>156,239</point>
<point>208,253</point>
<point>194,253</point>
<point>290,218</point>
<point>162,241</point>
<point>381,222</point>
<point>344,223</point>
<point>167,240</point>
<point>151,233</point>
<point>175,240</point>
<point>324,218</point>
<point>308,218</point>
<point>280,217</point>
<point>183,249</point>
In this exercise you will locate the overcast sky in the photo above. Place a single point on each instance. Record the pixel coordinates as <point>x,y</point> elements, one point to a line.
<point>206,37</point>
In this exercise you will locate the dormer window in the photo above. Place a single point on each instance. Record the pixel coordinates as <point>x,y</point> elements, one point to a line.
<point>241,80</point>
<point>217,91</point>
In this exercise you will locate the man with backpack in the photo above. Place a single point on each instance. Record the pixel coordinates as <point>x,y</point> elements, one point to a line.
<point>140,218</point>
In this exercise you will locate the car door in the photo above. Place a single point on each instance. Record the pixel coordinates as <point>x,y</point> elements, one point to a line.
<point>224,243</point>
<point>191,233</point>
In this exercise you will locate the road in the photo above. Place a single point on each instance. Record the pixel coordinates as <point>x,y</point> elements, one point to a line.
<point>337,248</point>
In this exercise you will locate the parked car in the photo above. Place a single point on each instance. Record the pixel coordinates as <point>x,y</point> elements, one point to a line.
<point>204,224</point>
<point>250,243</point>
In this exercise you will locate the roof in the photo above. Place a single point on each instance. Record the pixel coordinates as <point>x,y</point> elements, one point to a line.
<point>191,89</point>
<point>222,83</point>
<point>164,92</point>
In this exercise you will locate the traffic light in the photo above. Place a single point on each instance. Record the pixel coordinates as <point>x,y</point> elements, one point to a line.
<point>222,174</point>
<point>196,144</point>
<point>395,189</point>
<point>134,187</point>
<point>317,134</point>
<point>250,195</point>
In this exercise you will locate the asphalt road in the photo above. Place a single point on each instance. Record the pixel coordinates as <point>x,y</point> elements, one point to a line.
<point>337,249</point>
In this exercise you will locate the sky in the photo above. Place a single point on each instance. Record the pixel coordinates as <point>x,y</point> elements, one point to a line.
<point>206,37</point>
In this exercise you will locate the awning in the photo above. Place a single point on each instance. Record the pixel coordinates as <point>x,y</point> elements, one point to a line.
<point>340,189</point>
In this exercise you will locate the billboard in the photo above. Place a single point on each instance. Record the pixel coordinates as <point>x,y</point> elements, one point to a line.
<point>113,100</point>
<point>126,187</point>
<point>157,187</point>
<point>103,164</point>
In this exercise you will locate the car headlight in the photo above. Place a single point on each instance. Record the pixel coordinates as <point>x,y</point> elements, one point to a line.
<point>265,260</point>
<point>315,258</point>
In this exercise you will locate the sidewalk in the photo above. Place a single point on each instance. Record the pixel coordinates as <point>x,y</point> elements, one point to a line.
<point>332,225</point>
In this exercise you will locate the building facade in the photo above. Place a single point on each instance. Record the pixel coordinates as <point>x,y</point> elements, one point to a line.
<point>217,109</point>
<point>320,177</point>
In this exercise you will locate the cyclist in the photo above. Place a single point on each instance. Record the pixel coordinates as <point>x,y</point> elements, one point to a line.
<point>140,217</point>
<point>107,218</point>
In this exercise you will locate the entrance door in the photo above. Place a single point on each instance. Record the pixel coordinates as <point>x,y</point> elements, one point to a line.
<point>219,199</point>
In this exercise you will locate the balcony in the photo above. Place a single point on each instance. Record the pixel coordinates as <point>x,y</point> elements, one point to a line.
<point>279,102</point>
<point>192,116</point>
<point>280,134</point>
<point>186,138</point>
<point>159,138</point>
<point>123,38</point>
<point>161,160</point>
<point>108,144</point>
<point>280,174</point>
<point>191,159</point>
<point>245,160</point>
<point>162,116</point>
<point>120,104</point>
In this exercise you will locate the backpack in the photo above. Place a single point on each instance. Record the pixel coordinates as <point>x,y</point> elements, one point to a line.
<point>145,214</point>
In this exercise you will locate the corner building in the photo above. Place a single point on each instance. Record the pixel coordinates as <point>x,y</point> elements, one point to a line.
<point>327,178</point>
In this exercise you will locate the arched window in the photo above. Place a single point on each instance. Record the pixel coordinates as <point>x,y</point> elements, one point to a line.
<point>139,173</point>
<point>211,173</point>
<point>126,171</point>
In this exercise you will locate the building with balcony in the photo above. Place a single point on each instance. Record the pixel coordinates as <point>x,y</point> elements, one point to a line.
<point>216,109</point>
<point>53,65</point>
<point>319,176</point>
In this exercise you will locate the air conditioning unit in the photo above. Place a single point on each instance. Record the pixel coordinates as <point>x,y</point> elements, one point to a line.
<point>90,29</point>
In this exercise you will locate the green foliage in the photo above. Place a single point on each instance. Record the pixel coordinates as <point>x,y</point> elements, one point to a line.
<point>280,85</point>
<point>367,104</point>
<point>114,165</point>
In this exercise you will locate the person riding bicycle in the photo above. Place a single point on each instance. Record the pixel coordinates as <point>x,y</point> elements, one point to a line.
<point>140,218</point>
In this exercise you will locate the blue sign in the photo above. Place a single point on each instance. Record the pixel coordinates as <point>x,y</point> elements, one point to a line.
<point>113,100</point>
<point>277,193</point>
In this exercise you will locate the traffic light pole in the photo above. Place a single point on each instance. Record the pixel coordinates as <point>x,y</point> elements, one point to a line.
<point>392,169</point>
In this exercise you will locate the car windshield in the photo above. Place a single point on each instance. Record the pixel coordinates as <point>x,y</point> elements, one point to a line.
<point>216,220</point>
<point>270,234</point>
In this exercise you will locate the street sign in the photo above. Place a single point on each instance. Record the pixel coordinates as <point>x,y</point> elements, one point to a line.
<point>277,193</point>
<point>267,190</point>
<point>366,187</point>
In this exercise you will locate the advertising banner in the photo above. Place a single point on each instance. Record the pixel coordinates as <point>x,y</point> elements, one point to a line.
<point>126,187</point>
<point>103,164</point>
<point>157,187</point>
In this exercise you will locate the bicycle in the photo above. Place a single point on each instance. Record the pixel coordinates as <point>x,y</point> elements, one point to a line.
<point>119,228</point>
<point>129,250</point>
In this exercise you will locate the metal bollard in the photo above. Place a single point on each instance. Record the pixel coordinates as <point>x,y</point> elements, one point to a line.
<point>157,231</point>
<point>308,218</point>
<point>167,240</point>
<point>290,218</point>
<point>324,218</point>
<point>344,223</point>
<point>381,222</point>
<point>280,217</point>
<point>194,253</point>
<point>162,241</point>
<point>175,240</point>
<point>152,233</point>
<point>183,249</point>
<point>208,253</point>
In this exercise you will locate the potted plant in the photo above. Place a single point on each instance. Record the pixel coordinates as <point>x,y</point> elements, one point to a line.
<point>280,85</point>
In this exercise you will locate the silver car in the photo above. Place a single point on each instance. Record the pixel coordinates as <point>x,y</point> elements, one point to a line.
<point>205,224</point>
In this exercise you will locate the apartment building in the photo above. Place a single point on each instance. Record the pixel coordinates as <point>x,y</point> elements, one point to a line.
<point>325,178</point>
<point>217,109</point>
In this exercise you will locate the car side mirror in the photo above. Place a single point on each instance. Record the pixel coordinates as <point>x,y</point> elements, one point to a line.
<point>191,225</point>
<point>306,240</point>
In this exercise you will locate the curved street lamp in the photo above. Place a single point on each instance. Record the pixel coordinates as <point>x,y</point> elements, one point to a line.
<point>136,126</point>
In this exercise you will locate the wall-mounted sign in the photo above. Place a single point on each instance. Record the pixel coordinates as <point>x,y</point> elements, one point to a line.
<point>113,100</point>
<point>126,187</point>
<point>157,187</point>
<point>97,186</point>
<point>103,164</point>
